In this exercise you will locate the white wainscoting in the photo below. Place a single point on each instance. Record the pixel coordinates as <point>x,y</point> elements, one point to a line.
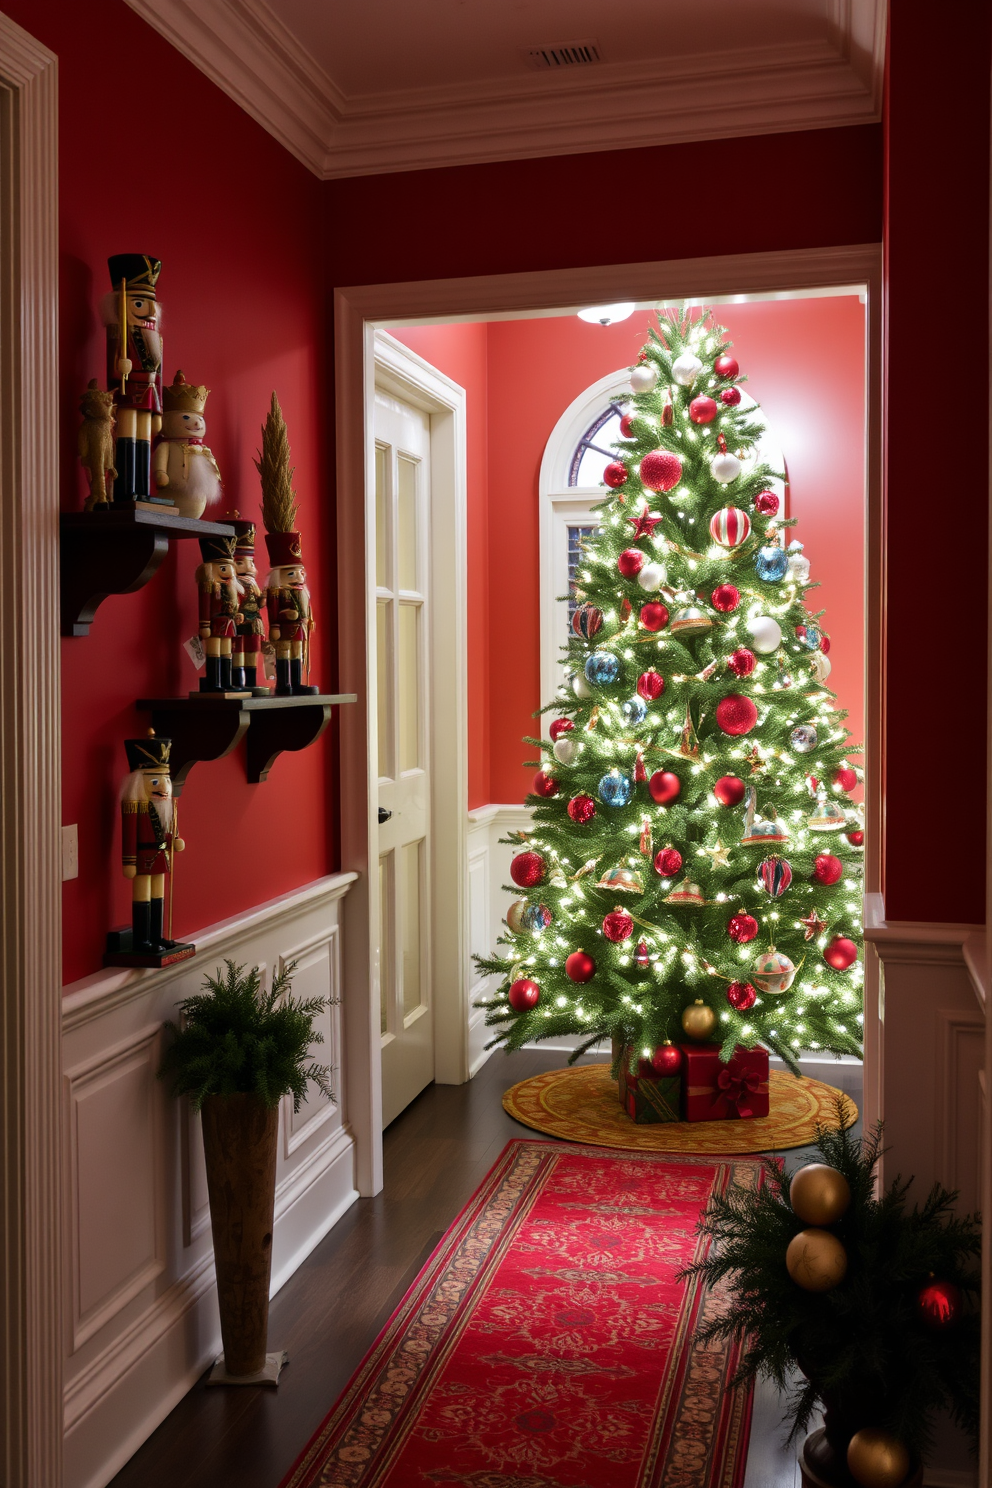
<point>141,1312</point>
<point>488,871</point>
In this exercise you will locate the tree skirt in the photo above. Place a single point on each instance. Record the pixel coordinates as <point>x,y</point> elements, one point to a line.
<point>546,1343</point>
<point>581,1105</point>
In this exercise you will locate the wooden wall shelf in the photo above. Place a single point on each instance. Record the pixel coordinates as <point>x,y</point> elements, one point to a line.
<point>208,727</point>
<point>116,552</point>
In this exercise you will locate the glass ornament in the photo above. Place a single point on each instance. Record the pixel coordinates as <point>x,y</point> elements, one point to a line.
<point>634,711</point>
<point>803,738</point>
<point>771,564</point>
<point>615,789</point>
<point>602,668</point>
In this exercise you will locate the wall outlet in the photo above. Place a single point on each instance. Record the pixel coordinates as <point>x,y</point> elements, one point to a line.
<point>70,852</point>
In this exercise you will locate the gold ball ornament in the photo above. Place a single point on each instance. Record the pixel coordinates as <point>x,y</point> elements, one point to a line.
<point>699,1021</point>
<point>819,1195</point>
<point>877,1459</point>
<point>816,1260</point>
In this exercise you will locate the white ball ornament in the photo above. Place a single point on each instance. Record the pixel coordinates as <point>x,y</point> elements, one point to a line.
<point>644,377</point>
<point>765,633</point>
<point>799,567</point>
<point>565,751</point>
<point>580,686</point>
<point>651,577</point>
<point>820,666</point>
<point>686,368</point>
<point>725,468</point>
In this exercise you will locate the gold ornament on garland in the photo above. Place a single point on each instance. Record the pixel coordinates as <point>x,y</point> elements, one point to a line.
<point>819,1194</point>
<point>699,1021</point>
<point>816,1260</point>
<point>877,1459</point>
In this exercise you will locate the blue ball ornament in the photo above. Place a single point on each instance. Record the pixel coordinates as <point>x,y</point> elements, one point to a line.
<point>535,917</point>
<point>602,668</point>
<point>634,710</point>
<point>615,789</point>
<point>811,640</point>
<point>771,563</point>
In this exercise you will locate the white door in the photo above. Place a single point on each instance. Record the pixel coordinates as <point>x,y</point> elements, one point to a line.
<point>402,504</point>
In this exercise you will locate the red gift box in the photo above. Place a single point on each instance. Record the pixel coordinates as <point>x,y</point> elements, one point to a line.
<point>645,1096</point>
<point>714,1091</point>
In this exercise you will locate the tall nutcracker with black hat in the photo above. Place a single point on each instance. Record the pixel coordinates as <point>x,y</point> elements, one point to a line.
<point>149,842</point>
<point>287,595</point>
<point>220,613</point>
<point>132,315</point>
<point>247,669</point>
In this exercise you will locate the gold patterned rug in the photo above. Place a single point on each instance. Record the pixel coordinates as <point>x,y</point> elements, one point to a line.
<point>581,1105</point>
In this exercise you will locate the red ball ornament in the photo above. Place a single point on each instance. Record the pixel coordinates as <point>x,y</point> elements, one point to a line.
<point>630,562</point>
<point>545,785</point>
<point>527,870</point>
<point>840,953</point>
<point>856,838</point>
<point>627,426</point>
<point>827,869</point>
<point>654,615</point>
<point>741,996</point>
<point>667,862</point>
<point>725,597</point>
<point>524,995</point>
<point>731,396</point>
<point>559,727</point>
<point>615,474</point>
<point>660,470</point>
<point>726,365</point>
<point>641,955</point>
<point>702,410</point>
<point>580,967</point>
<point>730,526</point>
<point>666,1060</point>
<point>742,928</point>
<point>729,790</point>
<point>618,925</point>
<point>825,644</point>
<point>742,662</point>
<point>845,777</point>
<point>939,1304</point>
<point>664,786</point>
<point>650,685</point>
<point>766,502</point>
<point>736,714</point>
<point>581,809</point>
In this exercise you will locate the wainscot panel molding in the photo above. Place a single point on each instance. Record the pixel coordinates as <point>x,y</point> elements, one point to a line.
<point>488,871</point>
<point>140,1309</point>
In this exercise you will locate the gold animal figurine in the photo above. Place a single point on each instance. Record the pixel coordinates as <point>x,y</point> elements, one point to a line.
<point>96,442</point>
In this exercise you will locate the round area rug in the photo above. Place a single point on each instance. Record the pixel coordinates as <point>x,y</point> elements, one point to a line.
<point>581,1105</point>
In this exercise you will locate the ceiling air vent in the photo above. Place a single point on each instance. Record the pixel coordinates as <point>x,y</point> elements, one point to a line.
<point>564,54</point>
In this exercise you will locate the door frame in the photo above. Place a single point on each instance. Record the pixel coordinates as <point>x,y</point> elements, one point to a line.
<point>358,310</point>
<point>31,1340</point>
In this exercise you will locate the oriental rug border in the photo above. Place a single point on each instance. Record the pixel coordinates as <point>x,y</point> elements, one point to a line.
<point>697,1433</point>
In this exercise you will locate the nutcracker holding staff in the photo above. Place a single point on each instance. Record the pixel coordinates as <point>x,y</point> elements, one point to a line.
<point>220,612</point>
<point>149,842</point>
<point>132,315</point>
<point>287,595</point>
<point>247,671</point>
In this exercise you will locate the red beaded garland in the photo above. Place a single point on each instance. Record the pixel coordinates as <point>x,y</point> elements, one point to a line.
<point>545,785</point>
<point>527,869</point>
<point>840,953</point>
<point>650,685</point>
<point>654,615</point>
<point>581,809</point>
<point>630,562</point>
<point>524,995</point>
<point>742,662</point>
<point>660,470</point>
<point>726,365</point>
<point>729,790</point>
<point>845,777</point>
<point>741,996</point>
<point>731,396</point>
<point>666,1060</point>
<point>742,928</point>
<point>615,474</point>
<point>702,410</point>
<point>827,869</point>
<point>559,727</point>
<point>580,967</point>
<point>726,597</point>
<point>664,786</point>
<point>736,714</point>
<point>618,925</point>
<point>767,503</point>
<point>667,861</point>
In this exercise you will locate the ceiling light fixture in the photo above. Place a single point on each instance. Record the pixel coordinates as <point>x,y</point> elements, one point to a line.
<point>607,314</point>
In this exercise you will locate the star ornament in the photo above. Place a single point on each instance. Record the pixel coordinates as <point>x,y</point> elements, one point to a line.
<point>814,925</point>
<point>719,854</point>
<point>645,524</point>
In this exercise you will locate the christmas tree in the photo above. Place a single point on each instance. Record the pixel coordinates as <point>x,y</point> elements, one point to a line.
<point>694,864</point>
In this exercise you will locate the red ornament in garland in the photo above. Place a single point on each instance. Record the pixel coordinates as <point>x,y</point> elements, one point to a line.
<point>661,470</point>
<point>845,778</point>
<point>731,396</point>
<point>736,714</point>
<point>841,953</point>
<point>654,615</point>
<point>545,785</point>
<point>580,967</point>
<point>742,927</point>
<point>702,410</point>
<point>741,996</point>
<point>641,955</point>
<point>618,925</point>
<point>725,598</point>
<point>856,839</point>
<point>559,727</point>
<point>939,1304</point>
<point>729,790</point>
<point>827,869</point>
<point>615,474</point>
<point>650,685</point>
<point>627,426</point>
<point>664,786</point>
<point>667,861</point>
<point>524,995</point>
<point>527,870</point>
<point>742,662</point>
<point>630,562</point>
<point>726,365</point>
<point>666,1060</point>
<point>767,503</point>
<point>581,809</point>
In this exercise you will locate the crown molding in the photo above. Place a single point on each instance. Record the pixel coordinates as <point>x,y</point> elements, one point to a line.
<point>243,47</point>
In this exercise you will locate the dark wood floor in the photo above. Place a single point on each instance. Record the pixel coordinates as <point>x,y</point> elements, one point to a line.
<point>327,1314</point>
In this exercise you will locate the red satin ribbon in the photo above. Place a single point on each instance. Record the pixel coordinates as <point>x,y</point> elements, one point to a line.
<point>738,1087</point>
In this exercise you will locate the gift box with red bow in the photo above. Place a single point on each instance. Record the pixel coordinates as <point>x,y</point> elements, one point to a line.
<point>647,1097</point>
<point>714,1091</point>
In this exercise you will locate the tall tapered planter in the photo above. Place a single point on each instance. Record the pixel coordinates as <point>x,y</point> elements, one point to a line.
<point>239,1142</point>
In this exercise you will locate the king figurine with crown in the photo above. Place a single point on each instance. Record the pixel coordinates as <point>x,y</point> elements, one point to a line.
<point>184,467</point>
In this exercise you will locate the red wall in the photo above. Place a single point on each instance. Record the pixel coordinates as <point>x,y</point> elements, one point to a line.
<point>160,161</point>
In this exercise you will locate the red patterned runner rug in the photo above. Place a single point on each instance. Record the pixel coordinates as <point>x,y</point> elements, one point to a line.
<point>546,1343</point>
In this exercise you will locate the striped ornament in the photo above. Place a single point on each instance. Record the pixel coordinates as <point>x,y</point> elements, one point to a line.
<point>586,621</point>
<point>730,526</point>
<point>774,876</point>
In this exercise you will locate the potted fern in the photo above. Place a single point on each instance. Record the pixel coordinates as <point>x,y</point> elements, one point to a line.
<point>238,1051</point>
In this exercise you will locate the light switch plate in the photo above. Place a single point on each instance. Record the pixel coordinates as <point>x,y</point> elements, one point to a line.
<point>70,852</point>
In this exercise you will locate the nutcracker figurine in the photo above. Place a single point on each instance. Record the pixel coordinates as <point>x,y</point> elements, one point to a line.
<point>220,613</point>
<point>131,313</point>
<point>149,842</point>
<point>247,669</point>
<point>287,596</point>
<point>185,469</point>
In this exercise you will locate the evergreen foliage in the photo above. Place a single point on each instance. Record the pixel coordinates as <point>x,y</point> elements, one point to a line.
<point>235,1039</point>
<point>688,950</point>
<point>863,1347</point>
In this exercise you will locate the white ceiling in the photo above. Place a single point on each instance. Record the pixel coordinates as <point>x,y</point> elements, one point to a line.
<point>367,86</point>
